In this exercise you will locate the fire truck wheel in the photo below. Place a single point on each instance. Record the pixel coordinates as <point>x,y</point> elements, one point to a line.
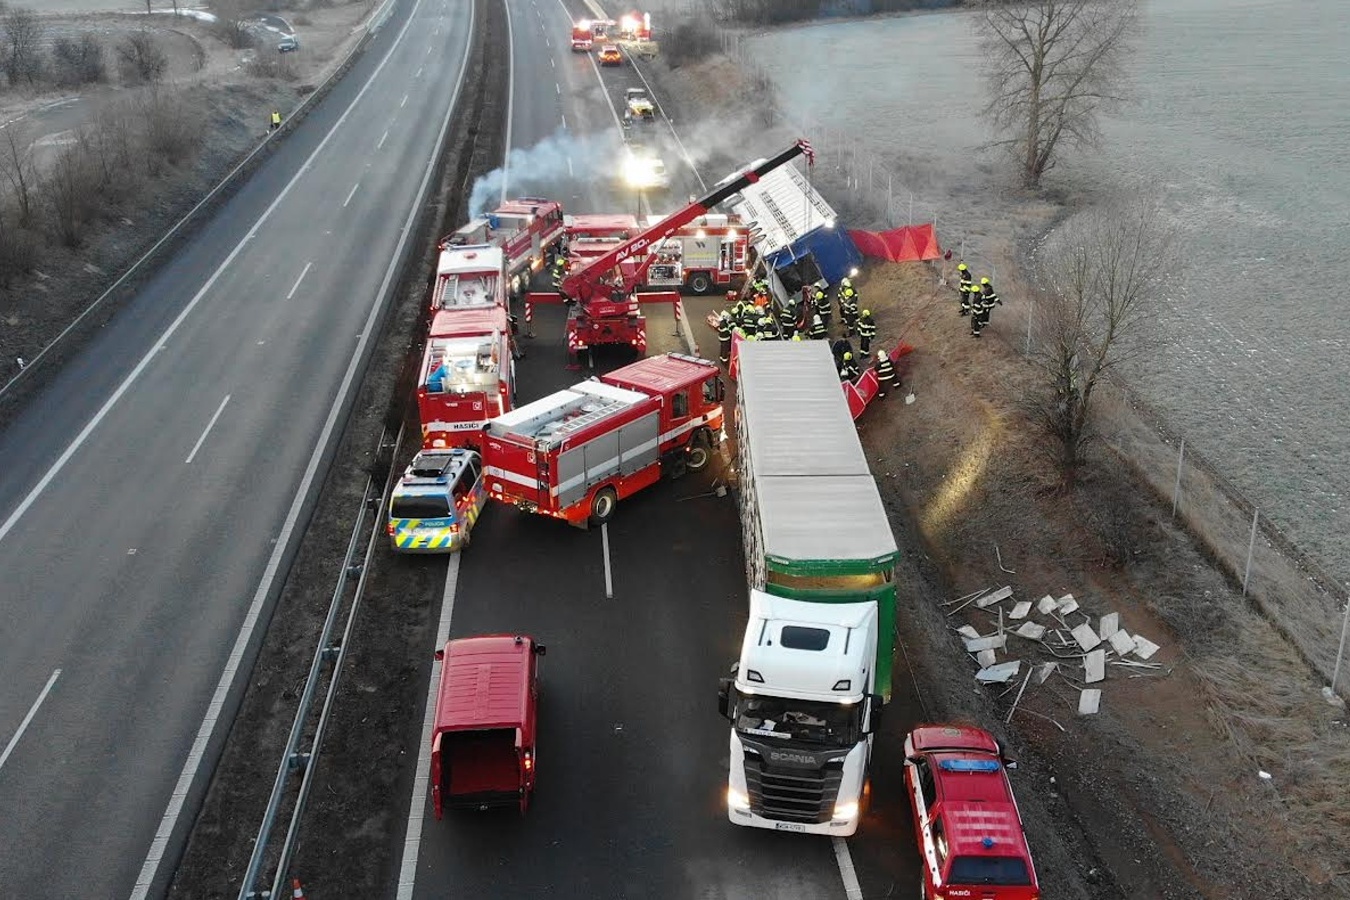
<point>700,283</point>
<point>603,505</point>
<point>700,453</point>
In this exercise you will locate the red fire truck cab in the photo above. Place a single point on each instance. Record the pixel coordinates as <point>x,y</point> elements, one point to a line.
<point>575,454</point>
<point>583,38</point>
<point>467,376</point>
<point>710,252</point>
<point>526,229</point>
<point>482,739</point>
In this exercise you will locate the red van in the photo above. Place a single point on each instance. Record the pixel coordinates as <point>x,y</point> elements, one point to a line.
<point>965,818</point>
<point>482,741</point>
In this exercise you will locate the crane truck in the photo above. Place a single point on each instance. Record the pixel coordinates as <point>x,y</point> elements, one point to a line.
<point>602,298</point>
<point>575,454</point>
<point>815,664</point>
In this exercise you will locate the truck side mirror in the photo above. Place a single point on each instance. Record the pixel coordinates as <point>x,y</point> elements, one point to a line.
<point>875,703</point>
<point>725,688</point>
<point>540,649</point>
<point>440,654</point>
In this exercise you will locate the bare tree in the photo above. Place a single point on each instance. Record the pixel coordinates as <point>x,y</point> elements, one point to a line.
<point>16,163</point>
<point>1053,66</point>
<point>140,58</point>
<point>24,37</point>
<point>71,190</point>
<point>172,128</point>
<point>77,62</point>
<point>1104,274</point>
<point>231,24</point>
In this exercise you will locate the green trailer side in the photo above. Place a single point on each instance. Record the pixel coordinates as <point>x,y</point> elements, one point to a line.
<point>813,525</point>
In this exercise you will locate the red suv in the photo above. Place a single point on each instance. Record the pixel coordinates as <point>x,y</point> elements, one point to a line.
<point>966,820</point>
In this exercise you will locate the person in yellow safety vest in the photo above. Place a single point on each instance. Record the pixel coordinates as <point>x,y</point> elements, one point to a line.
<point>275,121</point>
<point>885,374</point>
<point>559,271</point>
<point>867,330</point>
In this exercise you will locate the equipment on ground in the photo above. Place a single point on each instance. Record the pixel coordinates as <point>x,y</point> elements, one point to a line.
<point>575,454</point>
<point>482,739</point>
<point>815,665</point>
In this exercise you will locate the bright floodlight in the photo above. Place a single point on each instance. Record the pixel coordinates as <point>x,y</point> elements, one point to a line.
<point>640,172</point>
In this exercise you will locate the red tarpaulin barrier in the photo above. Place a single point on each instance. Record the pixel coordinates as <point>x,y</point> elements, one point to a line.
<point>909,243</point>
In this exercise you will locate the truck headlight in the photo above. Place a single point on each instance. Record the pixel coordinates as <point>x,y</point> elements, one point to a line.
<point>737,800</point>
<point>846,811</point>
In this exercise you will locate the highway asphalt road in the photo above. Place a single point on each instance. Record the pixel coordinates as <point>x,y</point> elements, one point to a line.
<point>632,753</point>
<point>150,492</point>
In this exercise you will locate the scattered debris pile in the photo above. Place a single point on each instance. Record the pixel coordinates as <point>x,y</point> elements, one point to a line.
<point>1053,638</point>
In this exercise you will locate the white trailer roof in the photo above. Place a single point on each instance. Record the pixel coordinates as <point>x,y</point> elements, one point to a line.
<point>822,518</point>
<point>796,410</point>
<point>780,208</point>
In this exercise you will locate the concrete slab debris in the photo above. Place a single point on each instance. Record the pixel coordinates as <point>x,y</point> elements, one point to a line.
<point>1086,637</point>
<point>968,631</point>
<point>1046,605</point>
<point>988,600</point>
<point>993,642</point>
<point>1110,624</point>
<point>1045,670</point>
<point>986,658</point>
<point>1144,648</point>
<point>1089,701</point>
<point>1095,665</point>
<point>1031,630</point>
<point>999,674</point>
<point>1121,642</point>
<point>1066,604</point>
<point>1020,609</point>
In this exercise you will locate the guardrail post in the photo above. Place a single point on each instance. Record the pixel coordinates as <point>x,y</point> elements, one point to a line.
<point>1176,487</point>
<point>1251,545</point>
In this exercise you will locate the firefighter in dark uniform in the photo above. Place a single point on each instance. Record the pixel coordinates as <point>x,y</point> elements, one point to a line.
<point>750,327</point>
<point>980,310</point>
<point>787,318</point>
<point>725,328</point>
<point>749,317</point>
<point>987,293</point>
<point>848,368</point>
<point>963,272</point>
<point>848,313</point>
<point>839,348</point>
<point>559,271</point>
<point>867,330</point>
<point>820,303</point>
<point>847,296</point>
<point>967,297</point>
<point>885,375</point>
<point>768,328</point>
<point>818,330</point>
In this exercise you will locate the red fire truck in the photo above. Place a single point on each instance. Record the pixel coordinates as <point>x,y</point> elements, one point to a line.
<point>709,252</point>
<point>526,229</point>
<point>467,373</point>
<point>602,295</point>
<point>575,454</point>
<point>583,38</point>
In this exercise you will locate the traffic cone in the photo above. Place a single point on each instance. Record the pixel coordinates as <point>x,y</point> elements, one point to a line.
<point>297,892</point>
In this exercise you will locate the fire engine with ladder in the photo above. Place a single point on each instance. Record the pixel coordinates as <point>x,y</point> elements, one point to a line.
<point>604,306</point>
<point>526,229</point>
<point>467,374</point>
<point>575,454</point>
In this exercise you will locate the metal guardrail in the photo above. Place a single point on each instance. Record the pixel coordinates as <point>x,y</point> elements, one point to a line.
<point>301,755</point>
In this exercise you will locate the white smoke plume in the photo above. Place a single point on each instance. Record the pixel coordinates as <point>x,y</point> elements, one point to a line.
<point>558,159</point>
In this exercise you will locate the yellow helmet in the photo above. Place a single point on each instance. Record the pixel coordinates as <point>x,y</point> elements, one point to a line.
<point>962,267</point>
<point>867,312</point>
<point>984,281</point>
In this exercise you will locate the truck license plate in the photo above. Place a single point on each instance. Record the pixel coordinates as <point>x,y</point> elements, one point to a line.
<point>789,826</point>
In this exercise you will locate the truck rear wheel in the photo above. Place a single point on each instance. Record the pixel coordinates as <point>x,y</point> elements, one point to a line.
<point>700,452</point>
<point>603,505</point>
<point>700,283</point>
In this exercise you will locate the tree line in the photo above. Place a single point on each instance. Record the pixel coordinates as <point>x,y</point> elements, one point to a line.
<point>30,58</point>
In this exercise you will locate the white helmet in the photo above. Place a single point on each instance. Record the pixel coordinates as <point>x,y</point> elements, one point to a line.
<point>881,356</point>
<point>815,320</point>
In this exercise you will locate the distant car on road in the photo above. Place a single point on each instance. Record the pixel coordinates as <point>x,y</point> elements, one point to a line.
<point>288,43</point>
<point>610,56</point>
<point>639,105</point>
<point>965,818</point>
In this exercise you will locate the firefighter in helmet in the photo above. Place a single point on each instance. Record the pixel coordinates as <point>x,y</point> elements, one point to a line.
<point>724,332</point>
<point>987,294</point>
<point>963,272</point>
<point>818,330</point>
<point>848,368</point>
<point>885,374</point>
<point>867,330</point>
<point>821,304</point>
<point>559,271</point>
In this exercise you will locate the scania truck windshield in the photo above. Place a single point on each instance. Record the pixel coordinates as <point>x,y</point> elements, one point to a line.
<point>803,721</point>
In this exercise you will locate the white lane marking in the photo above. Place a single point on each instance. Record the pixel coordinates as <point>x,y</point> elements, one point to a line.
<point>510,97</point>
<point>205,431</point>
<point>845,860</point>
<point>32,711</point>
<point>412,842</point>
<point>552,62</point>
<point>564,121</point>
<point>305,270</point>
<point>557,87</point>
<point>350,195</point>
<point>159,846</point>
<point>609,576</point>
<point>570,173</point>
<point>404,102</point>
<point>384,137</point>
<point>419,72</point>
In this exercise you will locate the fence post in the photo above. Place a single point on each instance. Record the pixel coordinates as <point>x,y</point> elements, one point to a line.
<point>1340,654</point>
<point>1031,312</point>
<point>1176,486</point>
<point>1251,545</point>
<point>889,180</point>
<point>911,208</point>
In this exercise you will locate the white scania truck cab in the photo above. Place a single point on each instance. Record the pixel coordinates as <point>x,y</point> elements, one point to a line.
<point>803,707</point>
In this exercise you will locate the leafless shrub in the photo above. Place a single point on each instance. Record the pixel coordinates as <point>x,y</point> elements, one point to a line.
<point>1104,273</point>
<point>690,42</point>
<point>77,62</point>
<point>172,131</point>
<point>70,190</point>
<point>230,25</point>
<point>21,53</point>
<point>271,64</point>
<point>112,144</point>
<point>302,19</point>
<point>1052,67</point>
<point>16,164</point>
<point>140,59</point>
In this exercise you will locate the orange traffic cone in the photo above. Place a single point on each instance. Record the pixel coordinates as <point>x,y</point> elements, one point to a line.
<point>298,892</point>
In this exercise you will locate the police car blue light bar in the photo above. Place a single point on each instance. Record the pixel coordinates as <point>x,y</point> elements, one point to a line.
<point>970,765</point>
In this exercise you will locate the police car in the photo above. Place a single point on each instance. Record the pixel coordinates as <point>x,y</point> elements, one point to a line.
<point>965,818</point>
<point>437,501</point>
